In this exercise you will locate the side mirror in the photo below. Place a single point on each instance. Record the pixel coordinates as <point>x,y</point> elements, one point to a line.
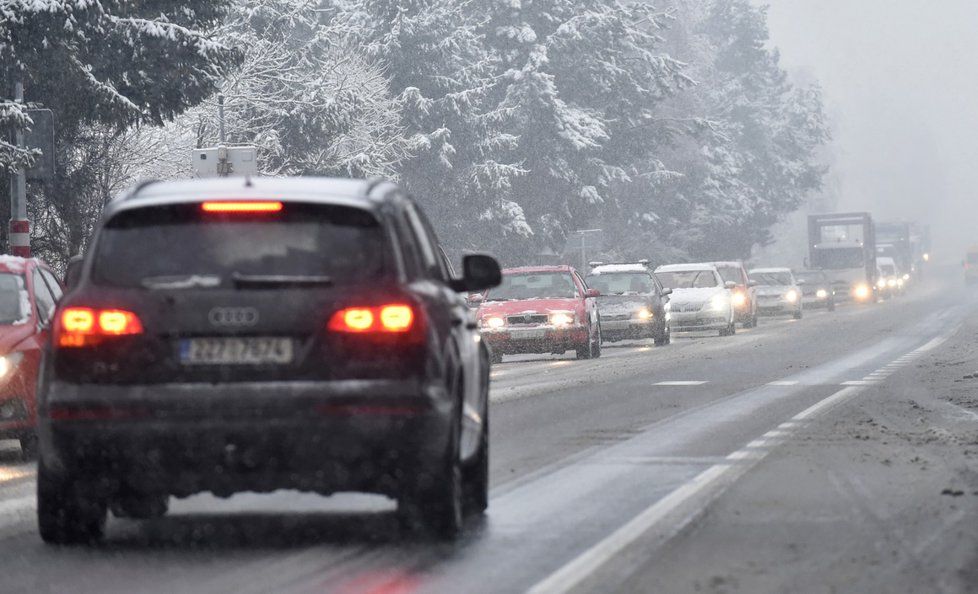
<point>73,272</point>
<point>752,283</point>
<point>592,293</point>
<point>801,282</point>
<point>730,285</point>
<point>479,272</point>
<point>475,299</point>
<point>666,292</point>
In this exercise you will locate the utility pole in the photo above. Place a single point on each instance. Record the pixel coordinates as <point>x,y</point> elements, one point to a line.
<point>20,227</point>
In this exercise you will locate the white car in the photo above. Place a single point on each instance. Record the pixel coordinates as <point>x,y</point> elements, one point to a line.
<point>700,299</point>
<point>778,293</point>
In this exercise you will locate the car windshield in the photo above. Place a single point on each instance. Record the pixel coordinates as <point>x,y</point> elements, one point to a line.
<point>543,285</point>
<point>731,274</point>
<point>772,279</point>
<point>14,305</point>
<point>688,279</point>
<point>811,278</point>
<point>343,245</point>
<point>621,283</point>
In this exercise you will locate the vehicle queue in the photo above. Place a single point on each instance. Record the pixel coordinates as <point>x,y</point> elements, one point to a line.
<point>556,309</point>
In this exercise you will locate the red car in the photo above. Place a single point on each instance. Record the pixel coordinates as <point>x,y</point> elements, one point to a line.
<point>542,309</point>
<point>28,294</point>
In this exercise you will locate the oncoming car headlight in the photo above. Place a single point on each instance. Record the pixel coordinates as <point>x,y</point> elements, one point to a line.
<point>561,319</point>
<point>719,303</point>
<point>738,299</point>
<point>8,363</point>
<point>791,296</point>
<point>891,282</point>
<point>822,294</point>
<point>881,283</point>
<point>493,322</point>
<point>644,314</point>
<point>862,292</point>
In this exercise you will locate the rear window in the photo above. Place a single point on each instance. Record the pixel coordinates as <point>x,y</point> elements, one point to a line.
<point>164,245</point>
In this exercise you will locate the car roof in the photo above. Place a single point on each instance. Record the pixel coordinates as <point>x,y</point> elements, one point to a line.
<point>15,264</point>
<point>764,270</point>
<point>538,269</point>
<point>686,267</point>
<point>612,268</point>
<point>728,263</point>
<point>348,192</point>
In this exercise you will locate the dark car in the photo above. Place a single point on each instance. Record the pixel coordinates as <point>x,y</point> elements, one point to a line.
<point>632,303</point>
<point>28,294</point>
<point>254,335</point>
<point>816,289</point>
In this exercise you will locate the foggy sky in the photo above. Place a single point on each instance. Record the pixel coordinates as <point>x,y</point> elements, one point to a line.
<point>901,86</point>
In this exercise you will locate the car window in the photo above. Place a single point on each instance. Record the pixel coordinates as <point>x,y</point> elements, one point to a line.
<point>14,302</point>
<point>688,279</point>
<point>621,283</point>
<point>426,244</point>
<point>43,299</point>
<point>773,279</point>
<point>544,285</point>
<point>346,245</point>
<point>53,285</point>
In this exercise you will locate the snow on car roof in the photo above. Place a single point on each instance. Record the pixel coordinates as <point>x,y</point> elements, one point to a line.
<point>537,269</point>
<point>14,263</point>
<point>612,268</point>
<point>728,263</point>
<point>685,267</point>
<point>768,270</point>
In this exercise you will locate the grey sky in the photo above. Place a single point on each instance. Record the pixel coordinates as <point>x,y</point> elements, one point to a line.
<point>901,85</point>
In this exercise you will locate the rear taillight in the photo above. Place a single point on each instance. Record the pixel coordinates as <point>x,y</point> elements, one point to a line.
<point>243,206</point>
<point>394,318</point>
<point>85,326</point>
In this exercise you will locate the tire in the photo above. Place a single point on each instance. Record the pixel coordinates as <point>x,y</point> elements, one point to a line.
<point>68,512</point>
<point>664,338</point>
<point>729,330</point>
<point>797,315</point>
<point>596,346</point>
<point>28,447</point>
<point>475,476</point>
<point>435,507</point>
<point>140,507</point>
<point>585,351</point>
<point>495,358</point>
<point>831,305</point>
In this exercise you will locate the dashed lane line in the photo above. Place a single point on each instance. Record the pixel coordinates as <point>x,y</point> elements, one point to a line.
<point>709,484</point>
<point>681,383</point>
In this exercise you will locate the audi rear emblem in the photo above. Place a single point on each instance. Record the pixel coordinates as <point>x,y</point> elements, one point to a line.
<point>233,316</point>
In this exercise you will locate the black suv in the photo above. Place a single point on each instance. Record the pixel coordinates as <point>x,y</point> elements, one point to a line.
<point>257,334</point>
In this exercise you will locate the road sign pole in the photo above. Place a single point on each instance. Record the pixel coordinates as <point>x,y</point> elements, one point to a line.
<point>20,231</point>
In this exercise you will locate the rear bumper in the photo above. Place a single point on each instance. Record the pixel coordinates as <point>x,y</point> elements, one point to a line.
<point>544,339</point>
<point>180,439</point>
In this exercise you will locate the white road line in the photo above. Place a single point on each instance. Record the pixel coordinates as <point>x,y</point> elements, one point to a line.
<point>681,383</point>
<point>783,383</point>
<point>859,383</point>
<point>584,565</point>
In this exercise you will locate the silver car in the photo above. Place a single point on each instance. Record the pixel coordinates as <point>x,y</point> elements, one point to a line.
<point>778,293</point>
<point>632,303</point>
<point>700,299</point>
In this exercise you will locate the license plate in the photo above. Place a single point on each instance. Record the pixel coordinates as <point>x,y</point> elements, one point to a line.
<point>236,351</point>
<point>529,333</point>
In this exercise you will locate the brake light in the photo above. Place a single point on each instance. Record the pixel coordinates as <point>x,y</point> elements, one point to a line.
<point>84,326</point>
<point>249,206</point>
<point>394,318</point>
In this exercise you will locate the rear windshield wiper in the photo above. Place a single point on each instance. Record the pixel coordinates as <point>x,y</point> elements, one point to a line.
<point>178,281</point>
<point>279,280</point>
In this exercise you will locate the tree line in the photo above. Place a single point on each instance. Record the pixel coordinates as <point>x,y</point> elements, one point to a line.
<point>670,124</point>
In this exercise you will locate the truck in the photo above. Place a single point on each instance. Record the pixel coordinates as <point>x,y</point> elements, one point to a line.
<point>893,241</point>
<point>843,245</point>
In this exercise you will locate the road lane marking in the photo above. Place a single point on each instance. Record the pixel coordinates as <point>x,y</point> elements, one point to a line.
<point>682,383</point>
<point>783,383</point>
<point>572,574</point>
<point>859,383</point>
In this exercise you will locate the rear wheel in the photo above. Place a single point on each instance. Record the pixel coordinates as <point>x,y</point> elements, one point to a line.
<point>433,505</point>
<point>68,511</point>
<point>28,446</point>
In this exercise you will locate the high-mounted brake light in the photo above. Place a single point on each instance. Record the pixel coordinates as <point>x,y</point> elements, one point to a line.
<point>243,206</point>
<point>394,318</point>
<point>84,326</point>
